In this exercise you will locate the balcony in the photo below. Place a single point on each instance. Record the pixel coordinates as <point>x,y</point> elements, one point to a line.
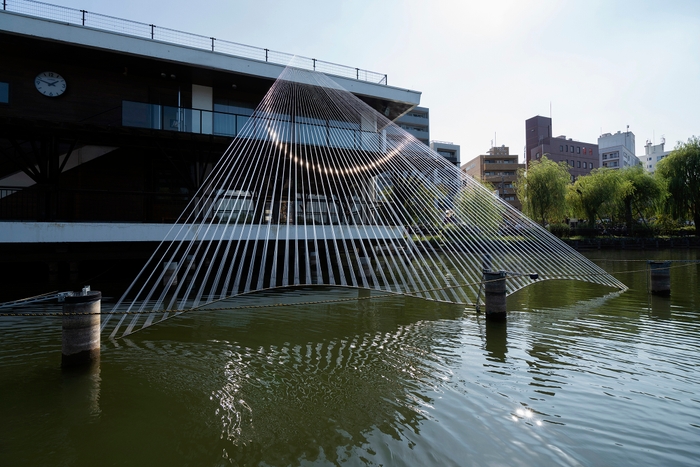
<point>308,131</point>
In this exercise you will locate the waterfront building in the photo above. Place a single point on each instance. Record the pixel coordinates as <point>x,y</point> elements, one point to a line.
<point>499,168</point>
<point>580,156</point>
<point>448,150</point>
<point>417,123</point>
<point>108,127</point>
<point>617,150</point>
<point>653,153</point>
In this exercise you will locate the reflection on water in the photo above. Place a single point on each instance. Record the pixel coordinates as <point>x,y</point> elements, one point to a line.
<point>574,377</point>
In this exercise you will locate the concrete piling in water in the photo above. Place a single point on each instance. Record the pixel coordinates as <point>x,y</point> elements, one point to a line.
<point>495,295</point>
<point>81,329</point>
<point>660,272</point>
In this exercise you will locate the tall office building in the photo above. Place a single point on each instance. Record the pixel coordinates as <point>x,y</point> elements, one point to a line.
<point>653,153</point>
<point>617,150</point>
<point>581,157</point>
<point>448,150</point>
<point>499,168</point>
<point>416,122</point>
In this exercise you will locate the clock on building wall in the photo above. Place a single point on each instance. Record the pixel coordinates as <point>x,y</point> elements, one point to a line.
<point>50,84</point>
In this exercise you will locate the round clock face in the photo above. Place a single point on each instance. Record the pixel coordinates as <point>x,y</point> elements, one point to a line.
<point>50,84</point>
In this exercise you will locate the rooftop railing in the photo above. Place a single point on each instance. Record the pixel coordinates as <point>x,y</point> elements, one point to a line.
<point>173,36</point>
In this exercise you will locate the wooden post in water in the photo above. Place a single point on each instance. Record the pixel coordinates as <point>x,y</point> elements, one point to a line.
<point>81,329</point>
<point>495,295</point>
<point>660,272</point>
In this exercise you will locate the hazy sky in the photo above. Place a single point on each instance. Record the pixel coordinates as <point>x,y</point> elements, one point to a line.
<point>483,67</point>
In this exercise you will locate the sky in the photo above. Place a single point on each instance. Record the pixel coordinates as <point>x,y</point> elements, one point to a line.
<point>483,67</point>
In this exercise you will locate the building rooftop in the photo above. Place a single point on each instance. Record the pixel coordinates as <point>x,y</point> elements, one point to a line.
<point>94,30</point>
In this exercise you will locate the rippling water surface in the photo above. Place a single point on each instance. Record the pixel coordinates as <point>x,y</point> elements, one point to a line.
<point>577,376</point>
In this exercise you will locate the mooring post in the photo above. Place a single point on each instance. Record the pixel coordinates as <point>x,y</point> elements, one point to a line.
<point>495,295</point>
<point>660,272</point>
<point>81,328</point>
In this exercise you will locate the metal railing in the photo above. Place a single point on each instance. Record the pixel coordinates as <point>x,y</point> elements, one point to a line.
<point>326,133</point>
<point>161,34</point>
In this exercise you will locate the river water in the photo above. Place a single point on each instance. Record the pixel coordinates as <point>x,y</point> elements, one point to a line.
<point>577,376</point>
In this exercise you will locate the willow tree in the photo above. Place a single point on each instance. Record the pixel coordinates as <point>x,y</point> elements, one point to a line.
<point>542,190</point>
<point>593,193</point>
<point>479,210</point>
<point>638,192</point>
<point>680,172</point>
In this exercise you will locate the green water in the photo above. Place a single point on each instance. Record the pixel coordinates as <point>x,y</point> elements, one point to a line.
<point>577,376</point>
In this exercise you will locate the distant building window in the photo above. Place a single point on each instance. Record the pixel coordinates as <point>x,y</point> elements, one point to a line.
<point>579,164</point>
<point>578,149</point>
<point>567,148</point>
<point>561,148</point>
<point>4,93</point>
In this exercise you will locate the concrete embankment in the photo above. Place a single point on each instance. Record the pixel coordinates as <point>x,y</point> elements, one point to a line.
<point>630,243</point>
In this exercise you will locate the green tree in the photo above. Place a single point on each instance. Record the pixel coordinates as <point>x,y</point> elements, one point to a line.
<point>639,191</point>
<point>542,190</point>
<point>593,193</point>
<point>680,173</point>
<point>478,210</point>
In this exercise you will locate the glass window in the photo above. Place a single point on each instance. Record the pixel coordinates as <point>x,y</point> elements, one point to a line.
<point>567,148</point>
<point>4,93</point>
<point>561,148</point>
<point>578,149</point>
<point>579,164</point>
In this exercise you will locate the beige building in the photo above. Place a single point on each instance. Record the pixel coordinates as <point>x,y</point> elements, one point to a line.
<point>499,168</point>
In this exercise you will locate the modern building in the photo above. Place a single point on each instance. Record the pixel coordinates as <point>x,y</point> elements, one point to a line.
<point>108,127</point>
<point>416,122</point>
<point>448,150</point>
<point>652,155</point>
<point>581,157</point>
<point>617,150</point>
<point>499,168</point>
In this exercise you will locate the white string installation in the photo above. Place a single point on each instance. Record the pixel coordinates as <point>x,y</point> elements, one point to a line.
<point>320,189</point>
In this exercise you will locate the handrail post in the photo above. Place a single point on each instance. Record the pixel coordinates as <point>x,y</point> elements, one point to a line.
<point>153,26</point>
<point>266,51</point>
<point>82,11</point>
<point>357,73</point>
<point>212,44</point>
<point>4,4</point>
<point>314,63</point>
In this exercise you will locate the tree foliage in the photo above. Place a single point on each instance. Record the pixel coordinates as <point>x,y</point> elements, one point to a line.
<point>638,194</point>
<point>593,193</point>
<point>542,190</point>
<point>680,173</point>
<point>477,207</point>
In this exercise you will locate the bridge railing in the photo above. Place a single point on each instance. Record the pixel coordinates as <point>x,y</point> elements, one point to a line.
<point>157,33</point>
